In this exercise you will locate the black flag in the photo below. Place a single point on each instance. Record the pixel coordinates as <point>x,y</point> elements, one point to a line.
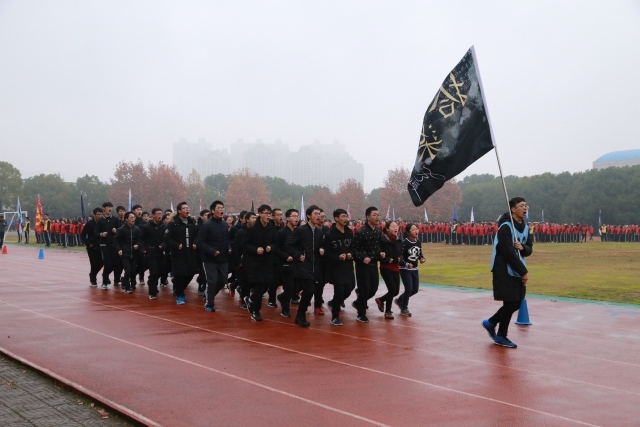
<point>252,207</point>
<point>455,131</point>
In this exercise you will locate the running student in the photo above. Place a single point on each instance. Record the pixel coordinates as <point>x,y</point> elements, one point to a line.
<point>305,247</point>
<point>412,254</point>
<point>126,245</point>
<point>367,253</point>
<point>258,243</point>
<point>179,239</point>
<point>339,262</point>
<point>510,274</point>
<point>106,229</point>
<point>92,243</point>
<point>390,267</point>
<point>152,246</point>
<point>284,262</point>
<point>213,242</point>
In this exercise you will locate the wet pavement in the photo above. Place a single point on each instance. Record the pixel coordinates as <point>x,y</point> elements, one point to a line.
<point>163,364</point>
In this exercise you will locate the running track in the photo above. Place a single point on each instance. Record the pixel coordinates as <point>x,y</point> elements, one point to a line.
<point>171,365</point>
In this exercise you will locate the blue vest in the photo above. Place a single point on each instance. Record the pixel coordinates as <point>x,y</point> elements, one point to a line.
<point>522,237</point>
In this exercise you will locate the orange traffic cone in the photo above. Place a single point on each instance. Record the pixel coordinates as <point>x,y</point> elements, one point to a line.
<point>4,250</point>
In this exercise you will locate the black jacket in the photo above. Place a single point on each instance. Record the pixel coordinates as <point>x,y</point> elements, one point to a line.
<point>213,236</point>
<point>392,251</point>
<point>259,267</point>
<point>125,239</point>
<point>281,255</point>
<point>152,239</point>
<point>366,243</point>
<point>336,243</point>
<point>89,237</point>
<point>183,261</point>
<point>306,240</point>
<point>505,286</point>
<point>236,247</point>
<point>106,224</point>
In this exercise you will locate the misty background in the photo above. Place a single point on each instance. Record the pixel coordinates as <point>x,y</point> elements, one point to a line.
<point>86,84</point>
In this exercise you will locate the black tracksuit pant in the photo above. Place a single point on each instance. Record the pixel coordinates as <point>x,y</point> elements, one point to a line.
<point>180,283</point>
<point>129,266</point>
<point>109,258</point>
<point>307,286</point>
<point>255,299</point>
<point>274,285</point>
<point>339,295</point>
<point>95,263</point>
<point>155,264</point>
<point>502,318</point>
<point>392,280</point>
<point>216,276</point>
<point>368,279</point>
<point>286,277</point>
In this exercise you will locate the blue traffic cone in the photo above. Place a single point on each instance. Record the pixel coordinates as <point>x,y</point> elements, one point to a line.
<point>523,314</point>
<point>41,256</point>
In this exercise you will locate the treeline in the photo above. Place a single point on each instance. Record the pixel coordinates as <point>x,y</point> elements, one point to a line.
<point>565,197</point>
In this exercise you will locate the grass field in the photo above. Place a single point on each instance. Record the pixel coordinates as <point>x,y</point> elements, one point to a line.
<point>596,270</point>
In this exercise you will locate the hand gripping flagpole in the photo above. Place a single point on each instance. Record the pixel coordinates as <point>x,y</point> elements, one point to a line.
<point>493,139</point>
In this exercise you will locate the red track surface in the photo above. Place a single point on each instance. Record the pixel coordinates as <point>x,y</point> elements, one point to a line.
<point>172,365</point>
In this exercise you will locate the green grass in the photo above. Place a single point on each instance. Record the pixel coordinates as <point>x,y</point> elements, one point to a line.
<point>596,270</point>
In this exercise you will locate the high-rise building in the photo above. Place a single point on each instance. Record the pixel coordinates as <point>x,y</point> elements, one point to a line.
<point>201,157</point>
<point>315,164</point>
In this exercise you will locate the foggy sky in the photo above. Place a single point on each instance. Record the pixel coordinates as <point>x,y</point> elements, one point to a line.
<point>85,84</point>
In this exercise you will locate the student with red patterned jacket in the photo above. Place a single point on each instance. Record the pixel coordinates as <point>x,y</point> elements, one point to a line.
<point>390,264</point>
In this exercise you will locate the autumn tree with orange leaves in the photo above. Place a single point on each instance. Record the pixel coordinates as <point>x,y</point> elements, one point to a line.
<point>244,187</point>
<point>129,176</point>
<point>394,193</point>
<point>196,192</point>
<point>166,185</point>
<point>324,199</point>
<point>351,194</point>
<point>153,186</point>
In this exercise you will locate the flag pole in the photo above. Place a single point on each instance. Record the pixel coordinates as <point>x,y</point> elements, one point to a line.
<point>495,146</point>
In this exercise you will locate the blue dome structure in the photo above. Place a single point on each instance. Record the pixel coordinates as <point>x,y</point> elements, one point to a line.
<point>618,159</point>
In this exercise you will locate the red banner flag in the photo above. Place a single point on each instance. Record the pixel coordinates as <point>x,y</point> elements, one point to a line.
<point>39,213</point>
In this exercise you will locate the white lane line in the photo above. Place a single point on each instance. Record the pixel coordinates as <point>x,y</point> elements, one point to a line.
<point>439,387</point>
<point>394,325</point>
<point>266,387</point>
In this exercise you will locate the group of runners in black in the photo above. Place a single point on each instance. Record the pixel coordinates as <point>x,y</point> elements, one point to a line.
<point>267,254</point>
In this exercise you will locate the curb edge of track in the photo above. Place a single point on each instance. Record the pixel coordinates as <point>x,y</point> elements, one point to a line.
<point>65,383</point>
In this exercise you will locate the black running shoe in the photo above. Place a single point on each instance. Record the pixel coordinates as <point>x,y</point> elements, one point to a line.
<point>362,319</point>
<point>302,321</point>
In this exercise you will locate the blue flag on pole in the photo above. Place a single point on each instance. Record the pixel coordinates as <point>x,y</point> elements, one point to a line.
<point>600,222</point>
<point>19,209</point>
<point>130,204</point>
<point>455,214</point>
<point>542,216</point>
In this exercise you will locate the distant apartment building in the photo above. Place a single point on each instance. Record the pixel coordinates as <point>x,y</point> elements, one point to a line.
<point>314,164</point>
